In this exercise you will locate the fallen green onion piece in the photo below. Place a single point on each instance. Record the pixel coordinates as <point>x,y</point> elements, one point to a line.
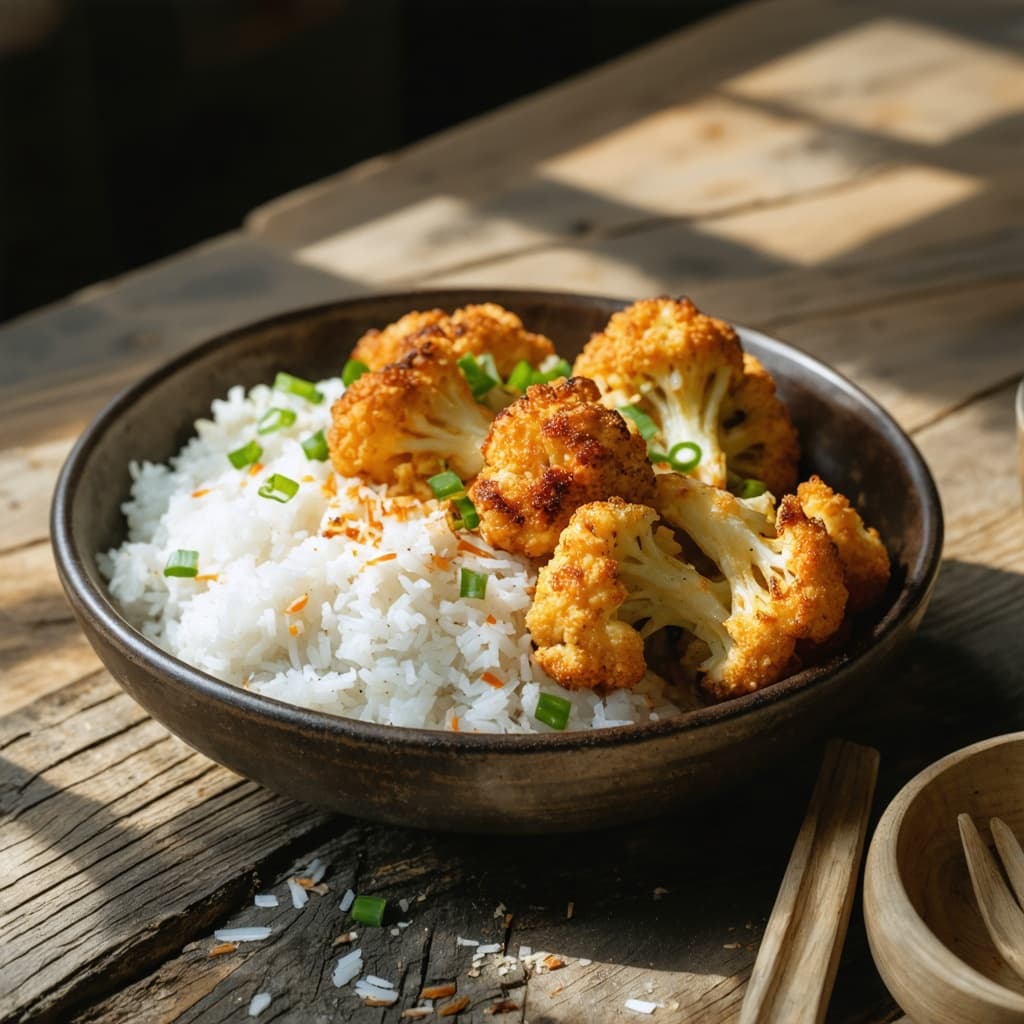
<point>279,488</point>
<point>685,465</point>
<point>446,485</point>
<point>354,369</point>
<point>275,419</point>
<point>521,376</point>
<point>369,910</point>
<point>560,369</point>
<point>552,710</point>
<point>472,584</point>
<point>297,386</point>
<point>751,488</point>
<point>478,379</point>
<point>467,517</point>
<point>647,427</point>
<point>656,457</point>
<point>245,456</point>
<point>315,447</point>
<point>182,563</point>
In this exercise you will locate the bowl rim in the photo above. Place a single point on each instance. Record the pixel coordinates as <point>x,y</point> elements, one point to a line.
<point>95,604</point>
<point>927,946</point>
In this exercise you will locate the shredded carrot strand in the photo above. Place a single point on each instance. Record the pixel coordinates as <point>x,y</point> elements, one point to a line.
<point>222,948</point>
<point>382,558</point>
<point>440,562</point>
<point>308,478</point>
<point>200,492</point>
<point>455,723</point>
<point>464,545</point>
<point>297,605</point>
<point>490,620</point>
<point>255,468</point>
<point>293,629</point>
<point>492,680</point>
<point>206,577</point>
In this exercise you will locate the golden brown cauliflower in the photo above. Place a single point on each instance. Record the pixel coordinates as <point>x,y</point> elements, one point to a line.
<point>405,422</point>
<point>552,450</point>
<point>761,588</point>
<point>757,434</point>
<point>865,560</point>
<point>474,330</point>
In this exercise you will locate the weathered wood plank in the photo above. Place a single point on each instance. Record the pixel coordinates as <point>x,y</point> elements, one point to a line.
<point>105,818</point>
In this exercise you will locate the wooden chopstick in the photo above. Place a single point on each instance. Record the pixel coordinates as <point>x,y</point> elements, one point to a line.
<point>796,965</point>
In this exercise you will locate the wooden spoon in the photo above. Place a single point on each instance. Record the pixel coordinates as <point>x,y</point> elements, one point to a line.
<point>1001,913</point>
<point>796,965</point>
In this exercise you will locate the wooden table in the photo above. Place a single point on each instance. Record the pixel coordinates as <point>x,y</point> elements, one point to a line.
<point>844,175</point>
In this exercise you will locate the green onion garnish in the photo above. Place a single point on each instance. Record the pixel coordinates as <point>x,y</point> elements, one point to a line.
<point>354,369</point>
<point>369,910</point>
<point>489,366</point>
<point>552,710</point>
<point>647,427</point>
<point>182,563</point>
<point>466,517</point>
<point>315,447</point>
<point>472,584</point>
<point>478,379</point>
<point>521,376</point>
<point>275,419</point>
<point>560,369</point>
<point>446,485</point>
<point>751,488</point>
<point>297,386</point>
<point>245,456</point>
<point>689,459</point>
<point>279,488</point>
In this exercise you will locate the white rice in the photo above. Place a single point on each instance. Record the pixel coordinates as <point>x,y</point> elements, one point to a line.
<point>382,636</point>
<point>259,1003</point>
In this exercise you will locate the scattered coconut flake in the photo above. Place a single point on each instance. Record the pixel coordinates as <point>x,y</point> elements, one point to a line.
<point>372,979</point>
<point>490,947</point>
<point>348,967</point>
<point>499,911</point>
<point>460,941</point>
<point>383,995</point>
<point>222,948</point>
<point>584,962</point>
<point>404,904</point>
<point>255,934</point>
<point>259,1003</point>
<point>347,900</point>
<point>640,1006</point>
<point>525,951</point>
<point>474,972</point>
<point>265,899</point>
<point>402,924</point>
<point>299,895</point>
<point>316,870</point>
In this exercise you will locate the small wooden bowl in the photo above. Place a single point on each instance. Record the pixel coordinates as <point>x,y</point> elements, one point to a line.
<point>923,923</point>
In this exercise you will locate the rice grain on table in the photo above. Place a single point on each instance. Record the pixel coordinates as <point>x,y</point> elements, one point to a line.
<point>343,599</point>
<point>259,1003</point>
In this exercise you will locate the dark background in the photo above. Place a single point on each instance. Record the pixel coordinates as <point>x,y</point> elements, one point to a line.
<point>131,129</point>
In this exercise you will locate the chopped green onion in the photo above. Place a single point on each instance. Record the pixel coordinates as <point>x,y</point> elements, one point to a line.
<point>560,369</point>
<point>751,488</point>
<point>315,447</point>
<point>297,386</point>
<point>656,457</point>
<point>521,376</point>
<point>446,485</point>
<point>182,563</point>
<point>466,517</point>
<point>478,379</point>
<point>489,366</point>
<point>354,369</point>
<point>275,419</point>
<point>369,910</point>
<point>647,427</point>
<point>684,465</point>
<point>279,488</point>
<point>245,456</point>
<point>472,584</point>
<point>552,710</point>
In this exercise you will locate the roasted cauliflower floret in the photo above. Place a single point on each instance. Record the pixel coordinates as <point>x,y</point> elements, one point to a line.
<point>470,330</point>
<point>609,571</point>
<point>678,366</point>
<point>405,422</point>
<point>757,434</point>
<point>552,450</point>
<point>865,560</point>
<point>761,587</point>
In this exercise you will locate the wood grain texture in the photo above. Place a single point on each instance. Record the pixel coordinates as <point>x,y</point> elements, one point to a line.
<point>792,979</point>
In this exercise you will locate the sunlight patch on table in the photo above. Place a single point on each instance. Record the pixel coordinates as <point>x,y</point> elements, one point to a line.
<point>894,77</point>
<point>828,226</point>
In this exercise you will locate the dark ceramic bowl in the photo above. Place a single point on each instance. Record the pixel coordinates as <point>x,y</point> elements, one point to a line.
<point>462,781</point>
